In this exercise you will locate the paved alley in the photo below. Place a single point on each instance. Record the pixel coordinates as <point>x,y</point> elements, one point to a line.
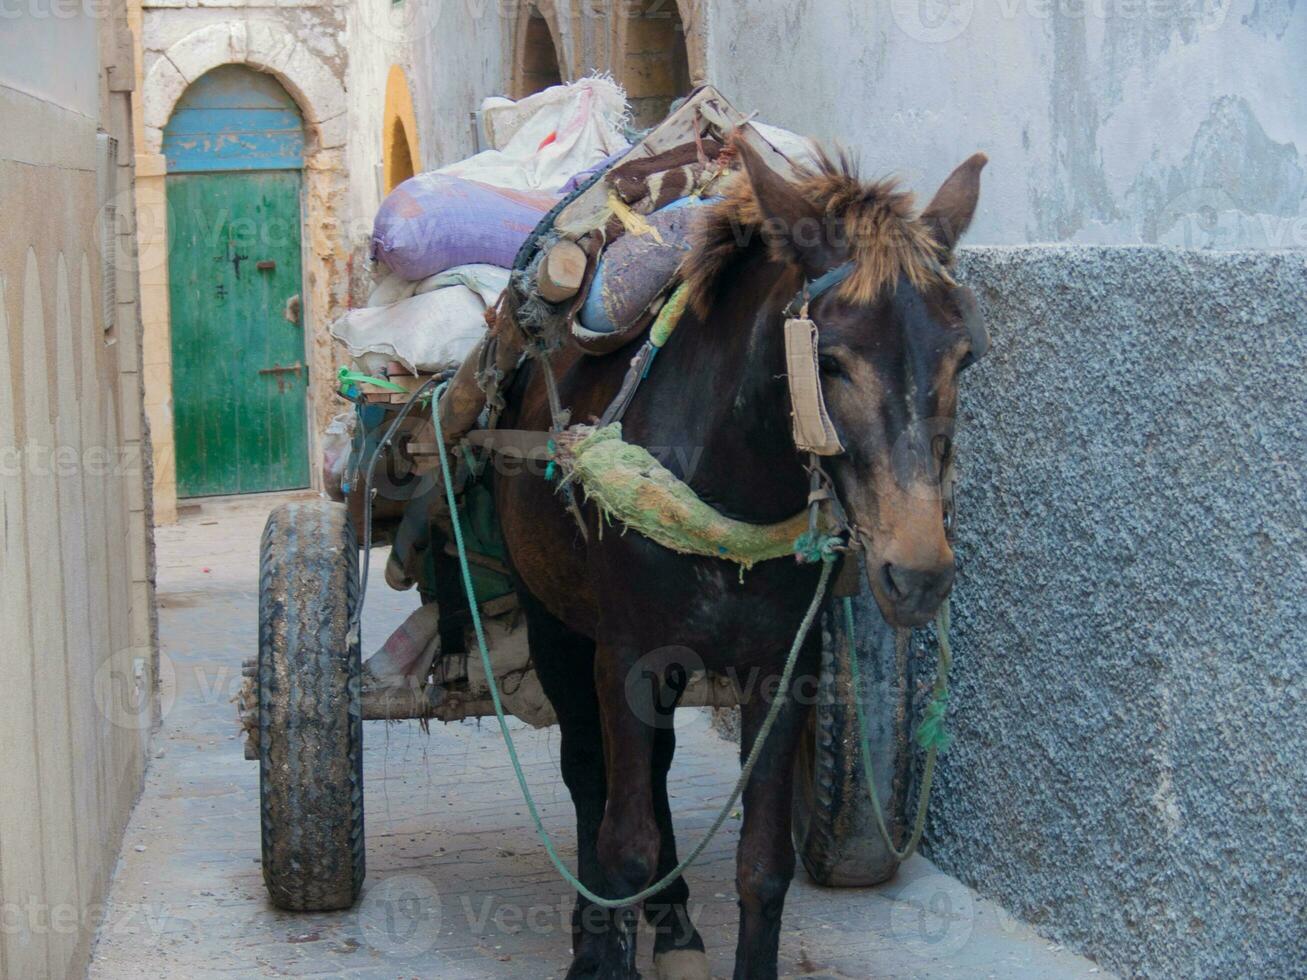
<point>458,886</point>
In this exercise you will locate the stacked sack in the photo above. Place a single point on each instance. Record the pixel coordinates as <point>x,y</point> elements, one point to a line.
<point>443,242</point>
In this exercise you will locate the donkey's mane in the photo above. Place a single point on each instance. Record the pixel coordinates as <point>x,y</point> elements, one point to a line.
<point>886,238</point>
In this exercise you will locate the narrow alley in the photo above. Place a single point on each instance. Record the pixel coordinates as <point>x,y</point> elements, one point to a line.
<point>458,885</point>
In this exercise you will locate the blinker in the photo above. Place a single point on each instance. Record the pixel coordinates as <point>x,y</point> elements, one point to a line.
<point>813,430</point>
<point>812,427</point>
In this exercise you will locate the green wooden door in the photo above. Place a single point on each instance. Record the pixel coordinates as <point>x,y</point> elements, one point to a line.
<point>239,380</point>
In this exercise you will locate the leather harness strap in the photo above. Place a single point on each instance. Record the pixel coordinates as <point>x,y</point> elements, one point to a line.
<point>814,288</point>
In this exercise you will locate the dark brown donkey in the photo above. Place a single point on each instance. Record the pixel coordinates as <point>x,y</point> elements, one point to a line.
<point>892,344</point>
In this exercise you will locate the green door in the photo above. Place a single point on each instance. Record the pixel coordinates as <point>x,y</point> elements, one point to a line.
<point>239,380</point>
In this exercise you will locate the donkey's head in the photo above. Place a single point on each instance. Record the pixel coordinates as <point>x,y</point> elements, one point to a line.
<point>893,338</point>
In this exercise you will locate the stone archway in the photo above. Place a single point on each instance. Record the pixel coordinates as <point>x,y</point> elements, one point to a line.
<point>657,54</point>
<point>400,157</point>
<point>320,95</point>
<point>539,51</point>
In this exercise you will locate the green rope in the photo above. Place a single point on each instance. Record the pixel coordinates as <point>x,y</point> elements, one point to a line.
<point>746,771</point>
<point>931,734</point>
<point>345,377</point>
<point>811,547</point>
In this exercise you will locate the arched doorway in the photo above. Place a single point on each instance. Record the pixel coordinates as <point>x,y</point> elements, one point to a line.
<point>400,158</point>
<point>234,151</point>
<point>653,60</point>
<point>537,55</point>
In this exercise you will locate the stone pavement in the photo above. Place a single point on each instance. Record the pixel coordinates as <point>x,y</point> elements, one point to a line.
<point>458,885</point>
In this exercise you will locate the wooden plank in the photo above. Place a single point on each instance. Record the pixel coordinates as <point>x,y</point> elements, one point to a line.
<point>234,118</point>
<point>707,109</point>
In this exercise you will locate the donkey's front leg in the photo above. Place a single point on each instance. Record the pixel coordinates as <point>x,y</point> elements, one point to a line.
<point>765,859</point>
<point>629,839</point>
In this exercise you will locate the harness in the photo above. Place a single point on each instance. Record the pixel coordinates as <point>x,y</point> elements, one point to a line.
<point>628,485</point>
<point>820,543</point>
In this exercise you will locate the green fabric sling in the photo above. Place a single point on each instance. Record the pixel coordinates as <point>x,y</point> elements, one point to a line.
<point>631,487</point>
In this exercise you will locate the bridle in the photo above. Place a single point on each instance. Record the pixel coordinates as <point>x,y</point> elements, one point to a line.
<point>813,431</point>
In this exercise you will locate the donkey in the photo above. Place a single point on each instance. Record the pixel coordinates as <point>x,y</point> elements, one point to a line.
<point>602,605</point>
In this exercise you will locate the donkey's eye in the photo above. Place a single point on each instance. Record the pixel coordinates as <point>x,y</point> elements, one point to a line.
<point>830,366</point>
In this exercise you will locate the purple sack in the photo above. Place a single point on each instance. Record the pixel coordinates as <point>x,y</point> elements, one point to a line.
<point>433,222</point>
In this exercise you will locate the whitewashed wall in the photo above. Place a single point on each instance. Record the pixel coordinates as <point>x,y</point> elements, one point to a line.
<point>1107,121</point>
<point>453,56</point>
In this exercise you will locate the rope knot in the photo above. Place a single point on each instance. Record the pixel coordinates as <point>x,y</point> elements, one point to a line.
<point>811,547</point>
<point>932,733</point>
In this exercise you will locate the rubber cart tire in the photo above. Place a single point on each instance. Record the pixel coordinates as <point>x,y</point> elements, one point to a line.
<point>835,831</point>
<point>310,713</point>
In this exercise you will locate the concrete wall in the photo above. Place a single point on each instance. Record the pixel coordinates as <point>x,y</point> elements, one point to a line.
<point>1129,615</point>
<point>77,655</point>
<point>1107,121</point>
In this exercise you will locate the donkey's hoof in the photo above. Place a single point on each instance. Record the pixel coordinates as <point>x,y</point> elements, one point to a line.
<point>682,964</point>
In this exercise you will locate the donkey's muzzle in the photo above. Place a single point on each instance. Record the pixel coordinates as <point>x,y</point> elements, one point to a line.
<point>914,595</point>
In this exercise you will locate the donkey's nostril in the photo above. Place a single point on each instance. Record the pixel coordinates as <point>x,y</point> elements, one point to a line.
<point>902,582</point>
<point>888,576</point>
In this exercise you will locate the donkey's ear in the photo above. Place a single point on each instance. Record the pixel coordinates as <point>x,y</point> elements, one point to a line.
<point>949,213</point>
<point>792,225</point>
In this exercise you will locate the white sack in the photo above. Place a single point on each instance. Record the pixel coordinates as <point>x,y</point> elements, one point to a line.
<point>391,289</point>
<point>487,281</point>
<point>426,333</point>
<point>585,119</point>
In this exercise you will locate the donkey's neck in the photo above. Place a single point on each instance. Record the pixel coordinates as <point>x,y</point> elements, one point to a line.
<point>729,390</point>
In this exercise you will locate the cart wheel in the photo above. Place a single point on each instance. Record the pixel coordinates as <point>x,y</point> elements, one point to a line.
<point>310,716</point>
<point>835,830</point>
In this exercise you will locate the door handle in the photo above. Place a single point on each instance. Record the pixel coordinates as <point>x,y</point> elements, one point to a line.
<point>265,265</point>
<point>296,369</point>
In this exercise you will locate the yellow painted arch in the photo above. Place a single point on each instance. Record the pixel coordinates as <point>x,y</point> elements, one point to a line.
<point>400,156</point>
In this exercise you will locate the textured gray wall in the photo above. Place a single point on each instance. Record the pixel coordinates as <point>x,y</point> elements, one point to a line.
<point>1128,773</point>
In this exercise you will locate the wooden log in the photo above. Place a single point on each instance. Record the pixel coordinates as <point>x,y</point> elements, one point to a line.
<point>561,271</point>
<point>463,399</point>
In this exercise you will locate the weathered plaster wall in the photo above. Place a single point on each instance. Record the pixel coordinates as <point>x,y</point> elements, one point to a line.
<point>452,56</point>
<point>77,655</point>
<point>1128,696</point>
<point>1107,121</point>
